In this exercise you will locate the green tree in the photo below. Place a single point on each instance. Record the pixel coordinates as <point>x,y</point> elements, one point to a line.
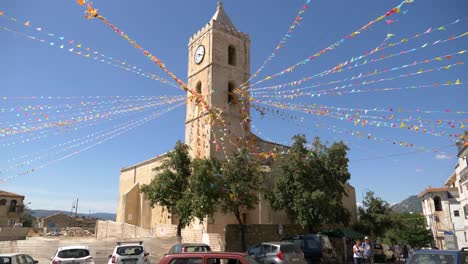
<point>409,228</point>
<point>375,215</point>
<point>310,183</point>
<point>181,185</point>
<point>241,185</point>
<point>27,219</point>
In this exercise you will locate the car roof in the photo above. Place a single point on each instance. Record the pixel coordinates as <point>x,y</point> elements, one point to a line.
<point>129,244</point>
<point>10,254</point>
<point>279,243</point>
<point>73,247</point>
<point>209,254</point>
<point>191,244</point>
<point>436,251</point>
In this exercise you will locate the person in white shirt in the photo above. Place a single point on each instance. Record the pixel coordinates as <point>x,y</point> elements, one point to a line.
<point>357,252</point>
<point>396,253</point>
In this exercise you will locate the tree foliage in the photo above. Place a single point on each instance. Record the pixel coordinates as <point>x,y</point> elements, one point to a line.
<point>409,228</point>
<point>179,189</point>
<point>310,183</point>
<point>374,215</point>
<point>240,183</point>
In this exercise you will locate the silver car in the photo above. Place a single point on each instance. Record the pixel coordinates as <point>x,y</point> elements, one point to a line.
<point>129,253</point>
<point>72,255</point>
<point>16,258</point>
<point>277,253</point>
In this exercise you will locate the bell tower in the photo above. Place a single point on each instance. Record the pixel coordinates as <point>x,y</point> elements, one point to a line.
<point>218,63</point>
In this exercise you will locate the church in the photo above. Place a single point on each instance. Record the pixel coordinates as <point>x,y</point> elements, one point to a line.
<point>218,63</point>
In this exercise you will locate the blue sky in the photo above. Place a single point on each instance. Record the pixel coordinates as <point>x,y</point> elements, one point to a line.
<point>82,160</point>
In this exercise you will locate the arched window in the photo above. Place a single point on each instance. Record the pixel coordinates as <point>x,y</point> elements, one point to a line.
<point>232,55</point>
<point>198,90</point>
<point>437,203</point>
<point>3,202</point>
<point>231,94</point>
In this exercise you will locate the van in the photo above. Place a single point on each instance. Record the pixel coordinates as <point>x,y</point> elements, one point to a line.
<point>317,248</point>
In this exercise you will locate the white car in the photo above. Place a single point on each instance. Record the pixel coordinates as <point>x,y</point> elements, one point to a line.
<point>72,255</point>
<point>16,258</point>
<point>129,253</point>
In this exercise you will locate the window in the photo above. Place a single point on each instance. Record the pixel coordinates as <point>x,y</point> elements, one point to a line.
<point>73,253</point>
<point>437,203</point>
<point>130,250</point>
<point>187,261</point>
<point>456,213</point>
<point>198,90</point>
<point>3,202</point>
<point>232,55</point>
<point>29,260</point>
<point>5,260</point>
<point>13,205</point>
<point>231,94</point>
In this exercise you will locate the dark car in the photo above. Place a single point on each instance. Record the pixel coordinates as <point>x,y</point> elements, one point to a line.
<point>277,253</point>
<point>316,247</point>
<point>379,253</point>
<point>189,247</point>
<point>427,256</point>
<point>208,258</point>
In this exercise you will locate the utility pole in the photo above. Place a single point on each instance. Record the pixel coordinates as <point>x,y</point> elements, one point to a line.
<point>76,210</point>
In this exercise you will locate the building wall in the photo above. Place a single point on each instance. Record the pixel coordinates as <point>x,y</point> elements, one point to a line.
<point>438,221</point>
<point>7,217</point>
<point>133,208</point>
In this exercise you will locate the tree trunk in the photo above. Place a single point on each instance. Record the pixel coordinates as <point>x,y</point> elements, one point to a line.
<point>242,230</point>
<point>179,233</point>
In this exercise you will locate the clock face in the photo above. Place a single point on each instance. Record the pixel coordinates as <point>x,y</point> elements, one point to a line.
<point>199,54</point>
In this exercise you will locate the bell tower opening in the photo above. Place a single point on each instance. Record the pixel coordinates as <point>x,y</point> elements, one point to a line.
<point>219,60</point>
<point>232,55</point>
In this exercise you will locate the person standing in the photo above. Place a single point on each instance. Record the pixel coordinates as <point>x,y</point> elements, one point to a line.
<point>396,253</point>
<point>405,251</point>
<point>368,247</point>
<point>357,252</point>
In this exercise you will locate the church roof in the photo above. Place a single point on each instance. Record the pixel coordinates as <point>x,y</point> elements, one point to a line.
<point>221,17</point>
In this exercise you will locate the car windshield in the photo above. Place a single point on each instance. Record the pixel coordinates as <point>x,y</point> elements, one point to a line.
<point>432,258</point>
<point>73,253</point>
<point>129,250</point>
<point>197,249</point>
<point>311,242</point>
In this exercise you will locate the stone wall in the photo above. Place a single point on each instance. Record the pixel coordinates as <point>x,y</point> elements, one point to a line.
<point>255,234</point>
<point>110,229</point>
<point>13,233</point>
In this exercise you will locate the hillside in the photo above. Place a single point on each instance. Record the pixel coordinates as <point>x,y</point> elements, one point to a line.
<point>44,213</point>
<point>410,204</point>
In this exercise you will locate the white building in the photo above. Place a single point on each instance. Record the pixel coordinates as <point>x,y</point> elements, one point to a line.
<point>446,208</point>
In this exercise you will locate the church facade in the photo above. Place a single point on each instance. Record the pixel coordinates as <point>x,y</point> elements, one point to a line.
<point>219,62</point>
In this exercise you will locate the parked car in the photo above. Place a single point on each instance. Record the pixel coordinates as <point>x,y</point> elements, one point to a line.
<point>72,255</point>
<point>316,247</point>
<point>16,258</point>
<point>208,258</point>
<point>388,253</point>
<point>277,253</point>
<point>379,253</point>
<point>427,256</point>
<point>189,247</point>
<point>129,253</point>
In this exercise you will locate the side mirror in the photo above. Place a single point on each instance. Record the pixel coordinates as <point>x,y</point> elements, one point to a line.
<point>36,261</point>
<point>110,256</point>
<point>147,254</point>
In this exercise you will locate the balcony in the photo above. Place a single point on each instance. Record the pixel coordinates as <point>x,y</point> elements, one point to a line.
<point>464,174</point>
